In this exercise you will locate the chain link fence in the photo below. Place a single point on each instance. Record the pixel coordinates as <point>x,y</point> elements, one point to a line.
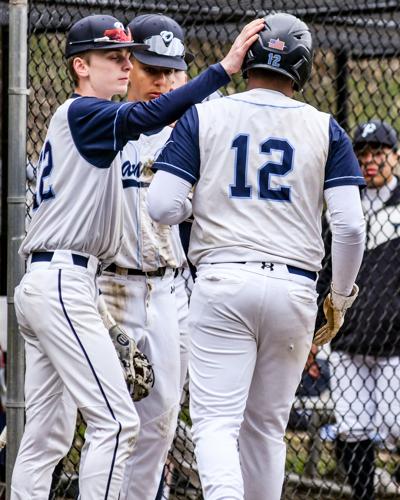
<point>356,78</point>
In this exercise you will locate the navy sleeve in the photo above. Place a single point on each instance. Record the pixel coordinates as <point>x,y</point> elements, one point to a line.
<point>168,108</point>
<point>101,128</point>
<point>181,154</point>
<point>96,128</point>
<point>342,167</point>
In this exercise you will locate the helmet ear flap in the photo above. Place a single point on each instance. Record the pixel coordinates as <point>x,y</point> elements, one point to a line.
<point>296,69</point>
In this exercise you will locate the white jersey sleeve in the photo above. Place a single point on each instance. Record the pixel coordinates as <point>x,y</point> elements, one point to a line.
<point>147,245</point>
<point>260,162</point>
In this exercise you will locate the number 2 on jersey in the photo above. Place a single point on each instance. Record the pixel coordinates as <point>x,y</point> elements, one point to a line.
<point>240,189</point>
<point>45,165</point>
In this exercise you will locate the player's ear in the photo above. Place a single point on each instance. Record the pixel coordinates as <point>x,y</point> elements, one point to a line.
<point>81,66</point>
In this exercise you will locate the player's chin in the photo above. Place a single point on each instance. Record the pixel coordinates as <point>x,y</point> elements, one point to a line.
<point>121,87</point>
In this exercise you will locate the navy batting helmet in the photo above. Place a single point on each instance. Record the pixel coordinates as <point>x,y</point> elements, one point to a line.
<point>283,46</point>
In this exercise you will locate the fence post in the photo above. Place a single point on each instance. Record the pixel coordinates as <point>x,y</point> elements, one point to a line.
<point>17,123</point>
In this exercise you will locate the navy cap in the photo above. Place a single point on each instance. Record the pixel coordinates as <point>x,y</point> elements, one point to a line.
<point>98,32</point>
<point>165,40</point>
<point>375,132</point>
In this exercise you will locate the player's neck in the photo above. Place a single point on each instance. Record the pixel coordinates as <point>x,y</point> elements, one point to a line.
<point>86,90</point>
<point>266,83</point>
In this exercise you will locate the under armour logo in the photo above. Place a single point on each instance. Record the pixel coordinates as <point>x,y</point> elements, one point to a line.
<point>267,265</point>
<point>167,36</point>
<point>369,128</point>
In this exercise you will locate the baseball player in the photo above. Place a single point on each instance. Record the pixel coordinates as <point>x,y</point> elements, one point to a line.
<point>146,276</point>
<point>77,229</point>
<point>365,361</point>
<point>261,163</point>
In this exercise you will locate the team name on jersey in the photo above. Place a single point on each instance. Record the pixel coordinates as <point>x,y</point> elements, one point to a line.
<point>131,169</point>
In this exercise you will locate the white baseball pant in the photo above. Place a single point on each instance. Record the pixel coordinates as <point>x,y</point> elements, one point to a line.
<point>146,308</point>
<point>251,331</point>
<point>70,362</point>
<point>366,395</point>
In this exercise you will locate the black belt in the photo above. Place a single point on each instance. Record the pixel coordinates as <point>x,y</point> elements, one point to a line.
<point>78,260</point>
<point>113,268</point>
<point>312,275</point>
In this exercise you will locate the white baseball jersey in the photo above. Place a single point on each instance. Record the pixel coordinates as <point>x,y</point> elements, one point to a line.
<point>262,160</point>
<point>77,163</point>
<point>147,245</point>
<point>68,171</point>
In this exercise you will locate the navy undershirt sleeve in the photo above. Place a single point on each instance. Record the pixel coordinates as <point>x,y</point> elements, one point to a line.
<point>95,126</point>
<point>168,108</point>
<point>342,167</point>
<point>101,128</point>
<point>181,154</point>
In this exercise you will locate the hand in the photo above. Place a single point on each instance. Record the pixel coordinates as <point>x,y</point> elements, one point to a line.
<point>232,62</point>
<point>335,307</point>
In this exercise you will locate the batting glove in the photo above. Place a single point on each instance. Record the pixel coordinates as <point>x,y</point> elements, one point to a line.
<point>136,367</point>
<point>335,307</point>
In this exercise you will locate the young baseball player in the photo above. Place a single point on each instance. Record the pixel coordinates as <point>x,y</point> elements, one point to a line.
<point>261,163</point>
<point>365,361</point>
<point>76,230</point>
<point>145,277</point>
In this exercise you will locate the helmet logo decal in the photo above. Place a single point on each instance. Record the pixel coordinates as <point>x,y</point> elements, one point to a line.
<point>274,60</point>
<point>368,128</point>
<point>118,34</point>
<point>276,44</point>
<point>167,36</point>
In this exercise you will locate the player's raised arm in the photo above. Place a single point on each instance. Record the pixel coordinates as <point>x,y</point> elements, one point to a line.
<point>169,107</point>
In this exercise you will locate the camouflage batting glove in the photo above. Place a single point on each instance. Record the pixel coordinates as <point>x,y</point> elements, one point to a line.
<point>335,307</point>
<point>136,367</point>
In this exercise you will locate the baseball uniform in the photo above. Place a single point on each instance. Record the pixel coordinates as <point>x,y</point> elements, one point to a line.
<point>260,162</point>
<point>75,229</point>
<point>141,294</point>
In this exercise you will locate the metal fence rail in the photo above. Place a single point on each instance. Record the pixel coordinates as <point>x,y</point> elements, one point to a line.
<point>356,77</point>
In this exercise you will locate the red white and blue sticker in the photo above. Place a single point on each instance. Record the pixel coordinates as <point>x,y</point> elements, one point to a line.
<point>276,44</point>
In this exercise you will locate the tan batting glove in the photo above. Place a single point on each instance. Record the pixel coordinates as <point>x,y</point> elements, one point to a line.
<point>335,307</point>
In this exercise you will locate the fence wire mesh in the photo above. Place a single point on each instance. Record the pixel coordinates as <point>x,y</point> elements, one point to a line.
<point>347,406</point>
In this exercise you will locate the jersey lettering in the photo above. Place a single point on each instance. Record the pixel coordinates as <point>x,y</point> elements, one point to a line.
<point>281,193</point>
<point>239,189</point>
<point>129,169</point>
<point>45,166</point>
<point>272,168</point>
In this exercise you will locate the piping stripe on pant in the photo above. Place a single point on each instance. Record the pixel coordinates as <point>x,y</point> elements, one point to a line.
<point>97,380</point>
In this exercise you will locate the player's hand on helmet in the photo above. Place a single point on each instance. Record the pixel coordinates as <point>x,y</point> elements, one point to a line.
<point>335,307</point>
<point>232,62</point>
